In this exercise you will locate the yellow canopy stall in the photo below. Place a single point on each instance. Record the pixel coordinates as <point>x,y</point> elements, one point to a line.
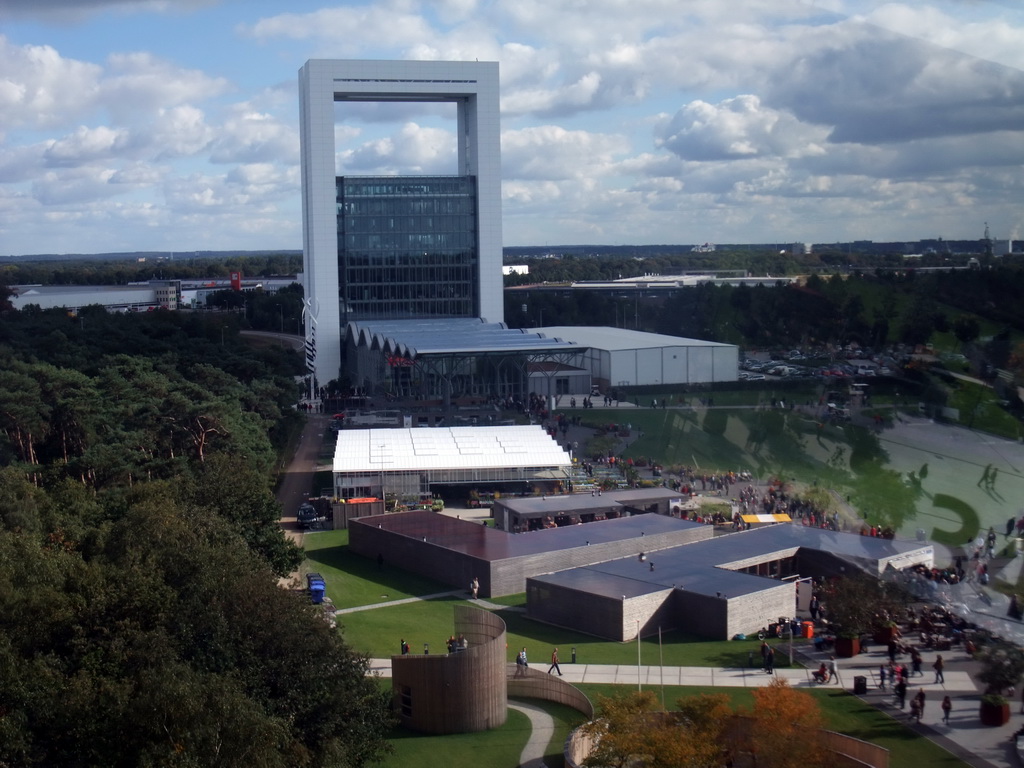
<point>765,519</point>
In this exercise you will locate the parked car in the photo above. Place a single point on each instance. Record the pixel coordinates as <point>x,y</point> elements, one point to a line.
<point>307,516</point>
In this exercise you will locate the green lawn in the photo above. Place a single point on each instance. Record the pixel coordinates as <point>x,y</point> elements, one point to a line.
<point>842,711</point>
<point>502,746</point>
<point>461,750</point>
<point>353,580</point>
<point>378,633</point>
<point>979,408</point>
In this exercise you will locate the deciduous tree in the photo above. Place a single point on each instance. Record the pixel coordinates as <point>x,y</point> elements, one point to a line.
<point>785,728</point>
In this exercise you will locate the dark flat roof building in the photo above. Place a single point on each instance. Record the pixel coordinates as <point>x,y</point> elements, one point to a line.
<point>638,574</point>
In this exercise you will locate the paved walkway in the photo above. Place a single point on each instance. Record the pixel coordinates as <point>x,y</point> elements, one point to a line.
<point>721,677</point>
<point>542,728</point>
<point>405,600</point>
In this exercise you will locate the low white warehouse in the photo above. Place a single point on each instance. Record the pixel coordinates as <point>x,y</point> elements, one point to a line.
<point>621,358</point>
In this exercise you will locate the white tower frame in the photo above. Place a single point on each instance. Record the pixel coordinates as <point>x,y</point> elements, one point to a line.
<point>473,86</point>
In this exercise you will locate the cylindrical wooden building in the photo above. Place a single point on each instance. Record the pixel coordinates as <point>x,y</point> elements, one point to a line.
<point>458,692</point>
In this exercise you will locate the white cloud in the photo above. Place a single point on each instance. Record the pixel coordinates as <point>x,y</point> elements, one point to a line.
<point>88,183</point>
<point>180,131</point>
<point>347,31</point>
<point>85,145</point>
<point>414,149</point>
<point>551,152</point>
<point>41,89</point>
<point>139,83</point>
<point>248,136</point>
<point>902,89</point>
<point>994,39</point>
<point>737,127</point>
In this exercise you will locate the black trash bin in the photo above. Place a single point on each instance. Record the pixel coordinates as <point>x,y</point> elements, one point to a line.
<point>860,685</point>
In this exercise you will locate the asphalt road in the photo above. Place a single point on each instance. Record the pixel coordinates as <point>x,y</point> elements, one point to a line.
<point>296,481</point>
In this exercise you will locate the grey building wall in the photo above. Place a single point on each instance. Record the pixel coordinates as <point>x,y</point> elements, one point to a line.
<point>506,576</point>
<point>619,619</point>
<point>586,612</point>
<point>749,613</point>
<point>702,615</point>
<point>447,566</point>
<point>645,613</point>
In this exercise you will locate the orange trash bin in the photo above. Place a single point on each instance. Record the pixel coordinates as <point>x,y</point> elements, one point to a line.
<point>808,629</point>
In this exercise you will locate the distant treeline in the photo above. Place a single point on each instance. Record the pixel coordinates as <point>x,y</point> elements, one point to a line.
<point>120,271</point>
<point>634,261</point>
<point>550,263</point>
<point>867,308</point>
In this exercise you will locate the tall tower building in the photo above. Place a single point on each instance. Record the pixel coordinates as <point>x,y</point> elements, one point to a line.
<point>398,247</point>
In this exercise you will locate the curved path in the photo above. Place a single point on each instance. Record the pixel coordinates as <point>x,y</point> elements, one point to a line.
<point>542,727</point>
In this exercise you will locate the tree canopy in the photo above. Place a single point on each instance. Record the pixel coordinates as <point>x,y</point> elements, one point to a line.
<point>140,619</point>
<point>781,730</point>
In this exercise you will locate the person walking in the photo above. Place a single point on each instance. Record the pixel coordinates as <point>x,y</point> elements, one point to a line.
<point>554,663</point>
<point>947,707</point>
<point>474,587</point>
<point>919,699</point>
<point>405,647</point>
<point>915,710</point>
<point>833,670</point>
<point>939,666</point>
<point>521,663</point>
<point>881,676</point>
<point>915,662</point>
<point>901,693</point>
<point>769,661</point>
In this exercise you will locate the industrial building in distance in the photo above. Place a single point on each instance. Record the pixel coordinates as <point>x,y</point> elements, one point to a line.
<point>140,297</point>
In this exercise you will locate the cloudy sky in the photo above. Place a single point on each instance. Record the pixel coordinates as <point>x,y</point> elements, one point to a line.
<point>173,124</point>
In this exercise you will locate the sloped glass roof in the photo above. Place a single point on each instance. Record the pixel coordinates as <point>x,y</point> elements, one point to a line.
<point>411,338</point>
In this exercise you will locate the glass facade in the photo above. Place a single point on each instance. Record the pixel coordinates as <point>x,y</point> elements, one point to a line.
<point>407,247</point>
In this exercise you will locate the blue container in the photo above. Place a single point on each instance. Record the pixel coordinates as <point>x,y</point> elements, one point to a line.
<point>316,591</point>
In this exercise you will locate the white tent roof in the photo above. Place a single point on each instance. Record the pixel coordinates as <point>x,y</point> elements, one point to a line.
<point>424,448</point>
